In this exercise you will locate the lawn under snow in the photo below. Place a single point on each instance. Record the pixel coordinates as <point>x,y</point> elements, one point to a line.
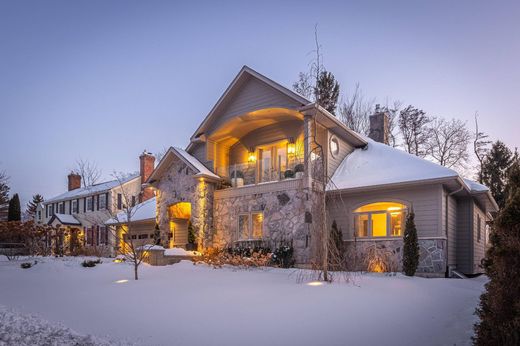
<point>183,304</point>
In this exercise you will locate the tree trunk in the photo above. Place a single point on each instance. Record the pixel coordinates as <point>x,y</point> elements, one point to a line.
<point>135,271</point>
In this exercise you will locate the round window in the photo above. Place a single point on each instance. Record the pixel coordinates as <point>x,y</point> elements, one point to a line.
<point>334,145</point>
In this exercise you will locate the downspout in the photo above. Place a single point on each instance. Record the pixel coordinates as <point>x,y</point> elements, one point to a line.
<point>446,222</point>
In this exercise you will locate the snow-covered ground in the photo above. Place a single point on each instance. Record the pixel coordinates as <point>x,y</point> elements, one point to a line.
<point>183,304</point>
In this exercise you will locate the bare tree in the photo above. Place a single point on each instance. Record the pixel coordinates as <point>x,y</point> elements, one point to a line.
<point>355,111</point>
<point>307,84</point>
<point>304,85</point>
<point>133,251</point>
<point>480,147</point>
<point>448,142</point>
<point>413,123</point>
<point>89,172</point>
<point>392,111</point>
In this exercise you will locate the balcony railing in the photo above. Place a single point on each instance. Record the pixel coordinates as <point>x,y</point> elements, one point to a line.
<point>251,173</point>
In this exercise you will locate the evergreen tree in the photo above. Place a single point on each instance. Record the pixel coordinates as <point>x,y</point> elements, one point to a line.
<point>4,197</point>
<point>31,206</point>
<point>15,212</point>
<point>495,171</point>
<point>336,249</point>
<point>327,91</point>
<point>410,246</point>
<point>499,308</point>
<point>157,235</point>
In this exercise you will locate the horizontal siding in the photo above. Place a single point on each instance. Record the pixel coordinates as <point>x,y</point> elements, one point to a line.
<point>199,152</point>
<point>464,229</point>
<point>425,201</point>
<point>334,161</point>
<point>253,94</point>
<point>451,229</point>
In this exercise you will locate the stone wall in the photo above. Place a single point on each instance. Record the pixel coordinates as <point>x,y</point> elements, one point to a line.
<point>180,185</point>
<point>432,254</point>
<point>283,219</point>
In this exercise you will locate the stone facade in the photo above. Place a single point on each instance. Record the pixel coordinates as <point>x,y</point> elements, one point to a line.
<point>360,254</point>
<point>284,219</point>
<point>180,185</point>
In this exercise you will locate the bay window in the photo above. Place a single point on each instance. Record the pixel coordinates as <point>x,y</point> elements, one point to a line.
<point>381,219</point>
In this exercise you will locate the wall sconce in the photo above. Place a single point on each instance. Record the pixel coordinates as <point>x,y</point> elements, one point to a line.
<point>291,147</point>
<point>251,156</point>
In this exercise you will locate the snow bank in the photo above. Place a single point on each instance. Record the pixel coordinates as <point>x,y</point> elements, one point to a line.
<point>183,304</point>
<point>177,251</point>
<point>19,329</point>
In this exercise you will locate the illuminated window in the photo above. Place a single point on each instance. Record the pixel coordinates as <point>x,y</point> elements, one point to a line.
<point>250,226</point>
<point>381,219</point>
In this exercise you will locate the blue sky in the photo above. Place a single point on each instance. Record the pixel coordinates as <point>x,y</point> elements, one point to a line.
<point>103,80</point>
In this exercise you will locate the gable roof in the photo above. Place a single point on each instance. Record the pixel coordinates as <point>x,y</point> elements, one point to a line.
<point>90,190</point>
<point>200,170</point>
<point>140,212</point>
<point>378,164</point>
<point>65,219</point>
<point>244,73</point>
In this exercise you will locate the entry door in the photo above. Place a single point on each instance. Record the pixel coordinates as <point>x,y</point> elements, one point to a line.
<point>180,232</point>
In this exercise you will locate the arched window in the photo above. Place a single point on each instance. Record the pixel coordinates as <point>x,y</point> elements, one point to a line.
<point>381,219</point>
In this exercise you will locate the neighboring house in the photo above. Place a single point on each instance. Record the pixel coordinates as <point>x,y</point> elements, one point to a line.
<point>83,211</point>
<point>142,218</point>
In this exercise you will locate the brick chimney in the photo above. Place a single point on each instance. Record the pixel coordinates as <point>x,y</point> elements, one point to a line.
<point>74,181</point>
<point>379,126</point>
<point>147,163</point>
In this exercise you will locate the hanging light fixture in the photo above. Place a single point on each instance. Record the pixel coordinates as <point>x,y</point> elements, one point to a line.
<point>251,156</point>
<point>291,147</point>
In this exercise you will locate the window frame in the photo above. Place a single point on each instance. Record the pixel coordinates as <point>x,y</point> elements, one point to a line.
<point>404,211</point>
<point>90,203</point>
<point>336,141</point>
<point>249,225</point>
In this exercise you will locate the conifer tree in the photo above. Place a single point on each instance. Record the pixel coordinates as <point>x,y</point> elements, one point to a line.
<point>499,308</point>
<point>410,246</point>
<point>327,91</point>
<point>15,212</point>
<point>31,206</point>
<point>495,171</point>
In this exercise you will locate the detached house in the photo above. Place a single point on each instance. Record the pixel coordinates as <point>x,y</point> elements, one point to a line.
<point>248,177</point>
<point>83,211</point>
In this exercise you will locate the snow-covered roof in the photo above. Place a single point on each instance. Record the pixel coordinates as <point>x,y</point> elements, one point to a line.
<point>140,212</point>
<point>203,170</point>
<point>65,219</point>
<point>89,190</point>
<point>474,186</point>
<point>379,164</point>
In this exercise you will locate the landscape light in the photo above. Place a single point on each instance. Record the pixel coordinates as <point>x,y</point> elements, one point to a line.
<point>315,283</point>
<point>121,281</point>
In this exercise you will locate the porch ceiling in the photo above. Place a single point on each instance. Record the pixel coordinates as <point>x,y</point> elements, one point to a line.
<point>237,127</point>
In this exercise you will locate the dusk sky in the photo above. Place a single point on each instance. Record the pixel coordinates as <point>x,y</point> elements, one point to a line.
<point>103,80</point>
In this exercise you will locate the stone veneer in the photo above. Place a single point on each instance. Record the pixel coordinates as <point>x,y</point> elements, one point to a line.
<point>180,185</point>
<point>283,213</point>
<point>432,253</point>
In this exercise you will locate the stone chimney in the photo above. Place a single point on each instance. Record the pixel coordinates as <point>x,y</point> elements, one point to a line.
<point>147,163</point>
<point>379,126</point>
<point>74,181</point>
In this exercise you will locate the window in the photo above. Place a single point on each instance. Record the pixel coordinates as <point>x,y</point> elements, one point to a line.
<point>102,202</point>
<point>479,226</point>
<point>75,206</point>
<point>334,146</point>
<point>381,219</point>
<point>39,215</point>
<point>90,204</point>
<point>62,208</point>
<point>119,201</point>
<point>143,236</point>
<point>250,226</point>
